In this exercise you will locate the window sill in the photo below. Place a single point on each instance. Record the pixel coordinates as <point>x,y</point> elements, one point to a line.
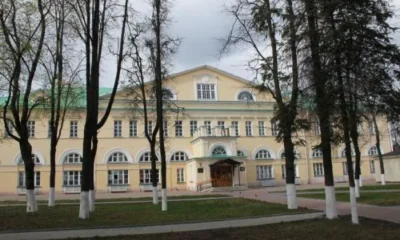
<point>118,185</point>
<point>181,182</point>
<point>71,186</point>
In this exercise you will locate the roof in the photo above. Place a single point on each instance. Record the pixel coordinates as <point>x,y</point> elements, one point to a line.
<point>225,162</point>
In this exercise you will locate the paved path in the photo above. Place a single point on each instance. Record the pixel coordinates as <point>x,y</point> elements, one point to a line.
<point>368,211</point>
<point>344,191</point>
<point>120,202</point>
<point>110,232</point>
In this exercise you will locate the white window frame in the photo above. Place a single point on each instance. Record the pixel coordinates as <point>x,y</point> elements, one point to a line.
<point>261,128</point>
<point>249,128</point>
<point>117,128</point>
<point>274,129</point>
<point>72,176</point>
<point>208,126</point>
<point>202,93</point>
<point>219,149</point>
<point>221,124</point>
<point>133,128</point>
<point>296,171</point>
<point>317,153</point>
<point>318,169</point>
<point>263,154</point>
<point>235,125</point>
<point>118,177</point>
<point>265,172</point>
<point>146,157</point>
<point>372,166</point>
<point>73,130</point>
<point>165,127</point>
<point>117,157</point>
<point>180,174</point>
<point>178,128</point>
<point>73,158</point>
<point>371,150</point>
<point>179,156</point>
<point>149,127</point>
<point>31,125</point>
<point>22,179</point>
<point>245,100</point>
<point>193,127</point>
<point>145,176</point>
<point>317,128</point>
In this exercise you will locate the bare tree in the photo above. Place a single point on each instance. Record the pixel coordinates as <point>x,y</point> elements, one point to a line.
<point>23,29</point>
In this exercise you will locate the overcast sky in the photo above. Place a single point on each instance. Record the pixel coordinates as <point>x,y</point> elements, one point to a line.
<point>200,23</point>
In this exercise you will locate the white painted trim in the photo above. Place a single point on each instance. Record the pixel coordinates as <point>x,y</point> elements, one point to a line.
<point>173,91</point>
<point>244,151</point>
<point>201,79</point>
<point>370,146</point>
<point>273,155</point>
<point>115,150</point>
<point>245,90</point>
<point>341,151</point>
<point>68,152</point>
<point>34,151</point>
<point>143,151</point>
<point>220,144</point>
<point>311,154</point>
<point>173,151</point>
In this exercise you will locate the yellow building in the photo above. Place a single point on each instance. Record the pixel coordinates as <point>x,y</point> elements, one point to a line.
<point>225,135</point>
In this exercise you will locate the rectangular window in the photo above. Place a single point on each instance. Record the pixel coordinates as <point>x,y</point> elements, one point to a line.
<point>221,124</point>
<point>206,91</point>
<point>117,128</point>
<point>193,127</point>
<point>178,129</point>
<point>372,129</point>
<point>118,177</point>
<point>31,128</point>
<point>345,172</point>
<point>165,126</point>
<point>22,179</point>
<point>318,169</point>
<point>317,128</point>
<point>150,127</point>
<point>296,171</point>
<point>180,174</point>
<point>261,128</point>
<point>249,131</point>
<point>73,131</point>
<point>132,128</point>
<point>274,129</point>
<point>235,125</point>
<point>145,176</point>
<point>207,124</point>
<point>264,172</point>
<point>72,178</point>
<point>10,128</point>
<point>372,166</point>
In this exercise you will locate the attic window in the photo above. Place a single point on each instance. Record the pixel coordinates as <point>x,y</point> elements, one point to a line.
<point>245,96</point>
<point>206,91</point>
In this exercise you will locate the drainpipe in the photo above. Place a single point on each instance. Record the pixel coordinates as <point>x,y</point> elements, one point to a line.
<point>307,159</point>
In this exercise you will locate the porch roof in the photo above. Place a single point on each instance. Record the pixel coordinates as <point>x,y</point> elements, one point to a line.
<point>227,161</point>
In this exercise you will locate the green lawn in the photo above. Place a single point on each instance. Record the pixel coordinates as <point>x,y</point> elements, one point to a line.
<point>15,218</point>
<point>310,230</point>
<point>379,198</point>
<point>125,199</point>
<point>369,187</point>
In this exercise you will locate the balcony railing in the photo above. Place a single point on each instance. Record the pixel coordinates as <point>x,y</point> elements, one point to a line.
<point>217,131</point>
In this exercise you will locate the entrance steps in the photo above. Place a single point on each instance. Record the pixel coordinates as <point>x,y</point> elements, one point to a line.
<point>226,189</point>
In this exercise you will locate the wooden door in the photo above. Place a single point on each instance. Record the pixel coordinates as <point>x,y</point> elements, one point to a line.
<point>221,176</point>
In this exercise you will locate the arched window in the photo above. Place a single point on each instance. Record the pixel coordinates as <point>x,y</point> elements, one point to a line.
<point>35,159</point>
<point>317,153</point>
<point>146,157</point>
<point>179,156</point>
<point>263,154</point>
<point>219,151</point>
<point>245,96</point>
<point>72,158</point>
<point>296,155</point>
<point>373,151</point>
<point>240,153</point>
<point>117,157</point>
<point>343,153</point>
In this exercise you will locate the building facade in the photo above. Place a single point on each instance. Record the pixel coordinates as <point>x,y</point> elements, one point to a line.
<point>225,137</point>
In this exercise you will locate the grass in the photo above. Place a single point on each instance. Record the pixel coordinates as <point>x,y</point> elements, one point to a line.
<point>378,198</point>
<point>123,199</point>
<point>310,230</point>
<point>369,188</point>
<point>107,215</point>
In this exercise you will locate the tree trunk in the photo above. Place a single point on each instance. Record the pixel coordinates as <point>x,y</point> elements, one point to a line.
<point>354,139</point>
<point>290,173</point>
<point>154,179</point>
<point>52,173</point>
<point>323,110</point>
<point>26,154</point>
<point>86,176</point>
<point>378,148</point>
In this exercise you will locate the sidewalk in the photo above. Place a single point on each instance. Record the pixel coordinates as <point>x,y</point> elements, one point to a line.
<point>112,232</point>
<point>368,211</point>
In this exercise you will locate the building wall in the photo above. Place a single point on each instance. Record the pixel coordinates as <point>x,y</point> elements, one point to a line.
<point>226,109</point>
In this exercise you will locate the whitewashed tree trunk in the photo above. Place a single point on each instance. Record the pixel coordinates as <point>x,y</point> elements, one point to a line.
<point>331,212</point>
<point>383,181</point>
<point>357,187</point>
<point>155,195</point>
<point>361,181</point>
<point>353,205</point>
<point>52,196</point>
<point>92,200</point>
<point>84,205</point>
<point>31,205</point>
<point>291,196</point>
<point>164,199</point>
